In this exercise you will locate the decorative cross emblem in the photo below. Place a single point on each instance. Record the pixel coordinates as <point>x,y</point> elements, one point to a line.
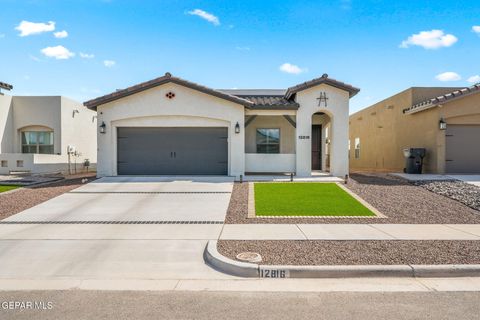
<point>170,95</point>
<point>322,98</point>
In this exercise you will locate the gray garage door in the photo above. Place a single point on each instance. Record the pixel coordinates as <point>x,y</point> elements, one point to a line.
<point>172,151</point>
<point>463,149</point>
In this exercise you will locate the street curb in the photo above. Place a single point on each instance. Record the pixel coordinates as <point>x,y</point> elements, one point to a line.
<point>250,270</point>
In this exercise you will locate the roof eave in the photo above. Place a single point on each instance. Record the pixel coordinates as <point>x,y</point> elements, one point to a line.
<point>94,103</point>
<point>270,107</point>
<point>323,80</point>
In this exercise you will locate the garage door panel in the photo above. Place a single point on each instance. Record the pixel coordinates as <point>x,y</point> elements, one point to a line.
<point>172,151</point>
<point>463,149</point>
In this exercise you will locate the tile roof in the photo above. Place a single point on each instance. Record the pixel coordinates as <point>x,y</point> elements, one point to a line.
<point>261,99</point>
<point>427,104</point>
<point>92,104</point>
<point>271,102</point>
<point>5,86</point>
<point>323,79</point>
<point>265,99</point>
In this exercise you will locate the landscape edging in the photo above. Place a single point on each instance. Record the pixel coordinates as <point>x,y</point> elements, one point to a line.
<point>252,270</point>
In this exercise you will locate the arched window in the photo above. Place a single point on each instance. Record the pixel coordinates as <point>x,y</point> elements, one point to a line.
<point>37,140</point>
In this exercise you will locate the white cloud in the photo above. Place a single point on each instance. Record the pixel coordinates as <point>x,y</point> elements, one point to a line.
<point>205,15</point>
<point>61,34</point>
<point>476,29</point>
<point>109,63</point>
<point>448,76</point>
<point>474,79</point>
<point>58,52</point>
<point>86,55</point>
<point>27,28</point>
<point>2,35</point>
<point>240,48</point>
<point>430,40</point>
<point>291,68</point>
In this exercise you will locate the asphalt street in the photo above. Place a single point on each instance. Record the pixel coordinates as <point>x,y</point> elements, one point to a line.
<point>79,304</point>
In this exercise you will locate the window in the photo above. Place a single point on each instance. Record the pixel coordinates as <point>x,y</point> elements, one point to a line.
<point>357,148</point>
<point>19,163</point>
<point>4,163</point>
<point>37,142</point>
<point>268,140</point>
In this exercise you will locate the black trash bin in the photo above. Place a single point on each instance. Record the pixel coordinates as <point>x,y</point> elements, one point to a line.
<point>414,160</point>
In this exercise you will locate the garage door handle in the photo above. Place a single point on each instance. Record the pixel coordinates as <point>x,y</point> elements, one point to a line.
<point>174,154</point>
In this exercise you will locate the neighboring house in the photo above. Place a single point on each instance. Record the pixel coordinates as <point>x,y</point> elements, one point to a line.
<point>170,126</point>
<point>36,133</point>
<point>445,121</point>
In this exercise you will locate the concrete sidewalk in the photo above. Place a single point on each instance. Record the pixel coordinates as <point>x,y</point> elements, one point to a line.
<point>350,232</point>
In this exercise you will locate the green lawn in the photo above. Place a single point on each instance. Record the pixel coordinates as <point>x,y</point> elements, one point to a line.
<point>4,188</point>
<point>306,199</point>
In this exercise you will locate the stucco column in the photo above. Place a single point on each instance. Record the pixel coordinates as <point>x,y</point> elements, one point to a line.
<point>339,145</point>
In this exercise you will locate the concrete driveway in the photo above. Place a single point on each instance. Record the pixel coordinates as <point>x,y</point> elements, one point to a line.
<point>138,199</point>
<point>93,232</point>
<point>468,178</point>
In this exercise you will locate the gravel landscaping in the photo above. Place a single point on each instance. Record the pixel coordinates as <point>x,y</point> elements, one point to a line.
<point>399,200</point>
<point>367,252</point>
<point>463,192</point>
<point>27,197</point>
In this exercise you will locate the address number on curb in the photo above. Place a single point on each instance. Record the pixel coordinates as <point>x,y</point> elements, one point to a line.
<point>274,273</point>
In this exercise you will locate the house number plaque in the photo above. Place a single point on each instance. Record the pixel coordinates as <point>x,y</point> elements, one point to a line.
<point>303,137</point>
<point>274,273</point>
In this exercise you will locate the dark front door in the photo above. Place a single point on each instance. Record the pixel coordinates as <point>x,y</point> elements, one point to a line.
<point>317,147</point>
<point>172,151</point>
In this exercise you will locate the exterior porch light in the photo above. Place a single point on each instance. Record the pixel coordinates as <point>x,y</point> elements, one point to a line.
<point>237,128</point>
<point>103,127</point>
<point>442,124</point>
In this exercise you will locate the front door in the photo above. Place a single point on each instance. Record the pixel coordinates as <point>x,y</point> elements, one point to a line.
<point>317,147</point>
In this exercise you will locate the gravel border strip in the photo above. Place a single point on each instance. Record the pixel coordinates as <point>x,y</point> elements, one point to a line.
<point>224,264</point>
<point>30,196</point>
<point>400,201</point>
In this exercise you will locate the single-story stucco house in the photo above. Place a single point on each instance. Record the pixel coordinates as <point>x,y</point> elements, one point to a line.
<point>444,121</point>
<point>45,134</point>
<point>171,126</point>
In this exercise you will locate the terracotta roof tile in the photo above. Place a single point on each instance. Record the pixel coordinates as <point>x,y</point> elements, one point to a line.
<point>443,98</point>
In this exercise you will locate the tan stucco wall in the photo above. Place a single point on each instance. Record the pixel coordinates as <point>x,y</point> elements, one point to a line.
<point>287,133</point>
<point>384,130</point>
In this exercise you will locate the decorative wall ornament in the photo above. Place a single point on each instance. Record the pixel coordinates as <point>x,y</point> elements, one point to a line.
<point>322,98</point>
<point>170,95</point>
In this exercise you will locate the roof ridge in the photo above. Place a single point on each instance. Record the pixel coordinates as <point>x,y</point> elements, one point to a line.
<point>317,81</point>
<point>93,103</point>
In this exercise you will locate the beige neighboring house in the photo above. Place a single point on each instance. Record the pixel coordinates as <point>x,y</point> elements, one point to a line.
<point>42,134</point>
<point>445,121</point>
<point>171,126</point>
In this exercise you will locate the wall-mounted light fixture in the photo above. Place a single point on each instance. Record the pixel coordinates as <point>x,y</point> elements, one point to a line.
<point>442,124</point>
<point>75,111</point>
<point>103,127</point>
<point>237,128</point>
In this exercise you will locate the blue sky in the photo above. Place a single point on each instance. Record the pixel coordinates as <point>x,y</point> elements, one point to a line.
<point>382,47</point>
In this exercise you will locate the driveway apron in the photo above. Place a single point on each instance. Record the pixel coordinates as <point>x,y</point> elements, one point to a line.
<point>119,228</point>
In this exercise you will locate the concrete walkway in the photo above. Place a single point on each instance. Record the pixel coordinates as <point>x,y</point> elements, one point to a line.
<point>350,232</point>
